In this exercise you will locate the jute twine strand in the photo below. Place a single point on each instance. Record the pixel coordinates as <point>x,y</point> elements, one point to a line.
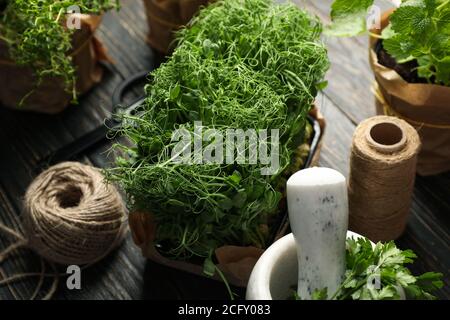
<point>22,242</point>
<point>71,216</point>
<point>380,183</point>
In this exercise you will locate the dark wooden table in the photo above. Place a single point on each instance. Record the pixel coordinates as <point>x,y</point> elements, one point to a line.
<point>27,138</point>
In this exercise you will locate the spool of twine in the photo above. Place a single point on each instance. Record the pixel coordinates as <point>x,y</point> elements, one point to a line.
<point>70,217</point>
<point>382,174</point>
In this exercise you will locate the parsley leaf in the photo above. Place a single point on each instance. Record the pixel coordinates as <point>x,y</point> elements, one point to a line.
<point>320,294</point>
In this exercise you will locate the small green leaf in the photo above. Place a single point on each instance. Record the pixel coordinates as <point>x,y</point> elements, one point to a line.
<point>388,32</point>
<point>396,48</point>
<point>320,294</point>
<point>430,276</point>
<point>295,295</point>
<point>356,295</point>
<point>443,70</point>
<point>408,255</point>
<point>388,292</point>
<point>209,268</point>
<point>239,199</point>
<point>409,19</point>
<point>321,85</point>
<point>430,281</point>
<point>175,92</point>
<point>255,191</point>
<point>351,284</point>
<point>235,178</point>
<point>404,278</point>
<point>226,204</point>
<point>174,202</point>
<point>349,17</point>
<point>412,291</point>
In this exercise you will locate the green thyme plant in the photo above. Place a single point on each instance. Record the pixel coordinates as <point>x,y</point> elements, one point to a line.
<point>418,31</point>
<point>380,273</point>
<point>241,65</point>
<point>37,36</point>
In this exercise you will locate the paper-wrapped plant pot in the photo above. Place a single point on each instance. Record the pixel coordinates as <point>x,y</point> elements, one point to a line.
<point>51,96</point>
<point>167,16</point>
<point>424,106</point>
<point>236,262</point>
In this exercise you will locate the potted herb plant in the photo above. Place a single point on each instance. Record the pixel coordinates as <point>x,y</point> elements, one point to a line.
<point>250,65</point>
<point>410,57</point>
<point>165,17</point>
<point>47,58</point>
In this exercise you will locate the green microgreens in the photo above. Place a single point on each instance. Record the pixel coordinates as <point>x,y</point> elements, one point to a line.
<point>37,36</point>
<point>239,64</point>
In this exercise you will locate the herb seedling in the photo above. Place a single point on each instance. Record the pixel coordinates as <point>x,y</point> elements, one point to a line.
<point>38,38</point>
<point>239,64</point>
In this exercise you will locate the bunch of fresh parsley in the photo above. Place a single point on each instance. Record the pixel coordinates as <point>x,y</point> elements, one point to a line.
<point>379,273</point>
<point>419,30</point>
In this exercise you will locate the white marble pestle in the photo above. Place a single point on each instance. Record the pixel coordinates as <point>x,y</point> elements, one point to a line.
<point>318,214</point>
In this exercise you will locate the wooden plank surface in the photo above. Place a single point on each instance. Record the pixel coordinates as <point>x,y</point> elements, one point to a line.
<point>28,138</point>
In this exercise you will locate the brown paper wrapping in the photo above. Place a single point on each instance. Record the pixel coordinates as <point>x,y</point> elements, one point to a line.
<point>51,97</point>
<point>235,262</point>
<point>166,16</point>
<point>424,106</point>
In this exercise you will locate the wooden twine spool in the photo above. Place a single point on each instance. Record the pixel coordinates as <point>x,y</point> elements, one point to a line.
<point>70,217</point>
<point>382,174</point>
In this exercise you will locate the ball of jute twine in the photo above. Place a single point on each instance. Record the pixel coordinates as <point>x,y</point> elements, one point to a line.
<point>70,217</point>
<point>382,177</point>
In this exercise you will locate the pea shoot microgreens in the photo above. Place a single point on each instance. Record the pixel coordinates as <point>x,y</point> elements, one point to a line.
<point>239,64</point>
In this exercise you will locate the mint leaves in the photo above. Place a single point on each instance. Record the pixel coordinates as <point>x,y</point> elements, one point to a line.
<point>380,273</point>
<point>349,17</point>
<point>419,30</point>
